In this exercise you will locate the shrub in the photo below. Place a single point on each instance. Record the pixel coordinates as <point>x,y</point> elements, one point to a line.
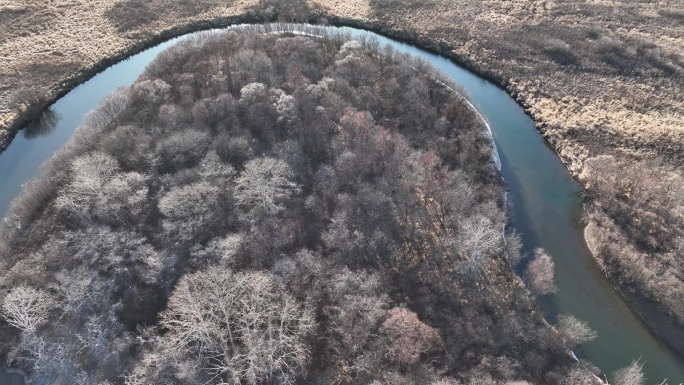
<point>540,273</point>
<point>409,337</point>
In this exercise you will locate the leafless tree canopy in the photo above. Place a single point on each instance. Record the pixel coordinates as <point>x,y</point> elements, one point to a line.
<point>630,375</point>
<point>409,337</point>
<point>540,273</point>
<point>27,308</point>
<point>243,327</point>
<point>265,184</point>
<point>575,332</point>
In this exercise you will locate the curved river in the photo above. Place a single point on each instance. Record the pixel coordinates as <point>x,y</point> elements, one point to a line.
<point>546,206</point>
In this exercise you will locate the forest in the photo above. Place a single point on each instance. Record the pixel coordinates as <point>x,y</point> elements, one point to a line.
<point>277,209</point>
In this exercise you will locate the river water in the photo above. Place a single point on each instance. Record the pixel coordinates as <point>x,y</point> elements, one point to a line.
<point>546,206</point>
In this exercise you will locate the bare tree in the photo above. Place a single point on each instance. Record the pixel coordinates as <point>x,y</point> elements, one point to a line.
<point>75,290</point>
<point>249,66</point>
<point>540,273</point>
<point>215,171</point>
<point>183,149</point>
<point>104,250</point>
<point>243,327</point>
<point>123,199</point>
<point>630,375</point>
<point>574,331</point>
<point>109,110</point>
<point>514,248</point>
<point>90,173</point>
<point>146,96</point>
<point>287,109</point>
<point>253,93</point>
<point>55,362</point>
<point>191,211</point>
<point>477,238</point>
<point>27,308</point>
<point>265,183</point>
<point>357,317</point>
<point>219,250</point>
<point>409,337</point>
<point>579,376</point>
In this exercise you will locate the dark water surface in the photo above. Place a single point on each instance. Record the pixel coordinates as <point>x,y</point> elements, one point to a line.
<point>11,378</point>
<point>546,203</point>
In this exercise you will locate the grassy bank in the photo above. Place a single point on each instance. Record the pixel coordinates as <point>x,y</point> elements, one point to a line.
<point>599,77</point>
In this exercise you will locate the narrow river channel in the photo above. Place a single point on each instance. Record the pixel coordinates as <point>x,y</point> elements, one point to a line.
<point>546,203</point>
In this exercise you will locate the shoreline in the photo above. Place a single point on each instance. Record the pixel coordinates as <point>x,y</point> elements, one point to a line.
<point>646,310</point>
<point>652,316</point>
<point>22,118</point>
<point>552,352</point>
<point>663,326</point>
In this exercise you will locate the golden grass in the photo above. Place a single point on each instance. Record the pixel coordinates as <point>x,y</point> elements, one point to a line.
<point>351,9</point>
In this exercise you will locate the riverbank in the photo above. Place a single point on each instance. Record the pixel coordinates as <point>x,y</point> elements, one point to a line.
<point>597,78</point>
<point>654,315</point>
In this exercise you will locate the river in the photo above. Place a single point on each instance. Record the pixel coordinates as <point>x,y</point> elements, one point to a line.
<point>546,206</point>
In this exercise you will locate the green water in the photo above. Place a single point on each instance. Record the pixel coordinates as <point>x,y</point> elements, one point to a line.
<point>546,207</point>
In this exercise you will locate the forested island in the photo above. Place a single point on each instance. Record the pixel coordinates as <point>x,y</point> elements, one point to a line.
<point>276,209</point>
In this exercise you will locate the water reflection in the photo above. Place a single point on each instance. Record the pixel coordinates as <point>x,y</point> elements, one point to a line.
<point>43,125</point>
<point>11,378</point>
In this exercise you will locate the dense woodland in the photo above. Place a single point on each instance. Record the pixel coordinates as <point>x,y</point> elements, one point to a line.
<point>276,209</point>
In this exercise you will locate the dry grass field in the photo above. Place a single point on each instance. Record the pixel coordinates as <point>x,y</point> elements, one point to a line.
<point>600,77</point>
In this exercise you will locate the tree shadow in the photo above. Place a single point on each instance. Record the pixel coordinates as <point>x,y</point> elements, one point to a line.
<point>44,124</point>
